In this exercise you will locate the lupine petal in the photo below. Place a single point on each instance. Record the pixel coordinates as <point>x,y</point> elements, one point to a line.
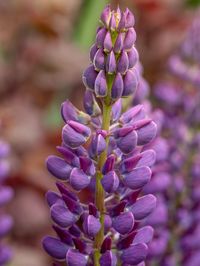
<point>108,259</point>
<point>101,84</point>
<point>78,179</point>
<point>110,182</point>
<point>91,225</point>
<point>75,258</point>
<point>117,87</point>
<point>62,216</point>
<point>144,235</point>
<point>89,77</point>
<point>58,167</point>
<point>124,223</point>
<point>54,247</point>
<point>134,254</point>
<point>99,59</point>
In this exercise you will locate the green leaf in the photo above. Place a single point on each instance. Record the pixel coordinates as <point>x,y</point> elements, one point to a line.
<point>88,22</point>
<point>193,3</point>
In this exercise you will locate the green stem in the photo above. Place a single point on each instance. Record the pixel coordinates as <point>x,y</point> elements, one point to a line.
<point>100,193</point>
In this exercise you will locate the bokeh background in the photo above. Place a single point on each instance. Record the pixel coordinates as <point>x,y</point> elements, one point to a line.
<point>44,48</point>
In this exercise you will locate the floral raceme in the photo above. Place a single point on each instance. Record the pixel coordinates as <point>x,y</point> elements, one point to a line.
<point>6,194</point>
<point>105,151</point>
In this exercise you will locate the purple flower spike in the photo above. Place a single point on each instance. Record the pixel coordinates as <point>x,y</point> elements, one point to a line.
<point>5,254</point>
<point>111,63</point>
<point>6,223</point>
<point>112,24</point>
<point>110,182</point>
<point>105,16</point>
<point>99,59</point>
<point>129,39</point>
<point>123,63</point>
<point>143,207</point>
<point>130,20</point>
<point>107,42</point>
<point>127,143</point>
<point>144,235</point>
<point>93,51</point>
<point>101,85</point>
<point>87,166</point>
<point>137,178</point>
<point>146,133</point>
<point>70,157</point>
<point>132,57</point>
<point>124,223</point>
<point>62,216</point>
<point>54,247</point>
<point>58,167</point>
<point>130,83</point>
<point>108,259</point>
<point>4,169</point>
<point>91,225</point>
<point>134,254</point>
<point>101,37</point>
<point>122,22</point>
<point>6,194</point>
<point>118,44</point>
<point>73,258</point>
<point>108,165</point>
<point>78,179</point>
<point>89,77</point>
<point>90,104</point>
<point>117,87</point>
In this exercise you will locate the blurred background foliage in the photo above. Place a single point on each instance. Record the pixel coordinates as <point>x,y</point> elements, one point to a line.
<point>44,48</point>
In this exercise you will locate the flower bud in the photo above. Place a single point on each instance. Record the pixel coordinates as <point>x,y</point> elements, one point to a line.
<point>130,20</point>
<point>146,133</point>
<point>64,235</point>
<point>105,16</point>
<point>116,110</point>
<point>64,190</point>
<point>127,165</point>
<point>128,142</point>
<point>101,84</point>
<point>122,22</point>
<point>107,45</point>
<point>87,166</point>
<point>69,156</point>
<point>129,39</point>
<point>100,37</point>
<point>99,59</point>
<point>123,63</point>
<point>126,241</point>
<point>132,57</point>
<point>130,83</point>
<point>72,205</point>
<point>144,235</point>
<point>118,44</point>
<point>112,24</point>
<point>89,77</point>
<point>108,165</point>
<point>90,104</point>
<point>117,87</point>
<point>111,63</point>
<point>93,51</point>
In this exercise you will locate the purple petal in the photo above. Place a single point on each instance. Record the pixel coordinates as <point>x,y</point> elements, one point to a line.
<point>54,247</point>
<point>123,62</point>
<point>89,77</point>
<point>107,42</point>
<point>99,59</point>
<point>62,216</point>
<point>108,165</point>
<point>87,166</point>
<point>130,83</point>
<point>134,254</point>
<point>100,37</point>
<point>69,156</point>
<point>5,254</point>
<point>111,63</point>
<point>117,87</point>
<point>137,178</point>
<point>144,235</point>
<point>132,57</point>
<point>91,225</point>
<point>78,179</point>
<point>6,194</point>
<point>128,143</point>
<point>75,258</point>
<point>105,16</point>
<point>110,182</point>
<point>108,259</point>
<point>118,44</point>
<point>121,226</point>
<point>6,223</point>
<point>91,106</point>
<point>143,207</point>
<point>58,167</point>
<point>129,39</point>
<point>116,110</point>
<point>112,24</point>
<point>130,20</point>
<point>53,197</point>
<point>122,22</point>
<point>101,84</point>
<point>64,235</point>
<point>64,190</point>
<point>146,133</point>
<point>147,158</point>
<point>93,51</point>
<point>72,138</point>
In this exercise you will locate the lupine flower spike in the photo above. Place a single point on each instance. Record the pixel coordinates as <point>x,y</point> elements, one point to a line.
<point>6,194</point>
<point>115,167</point>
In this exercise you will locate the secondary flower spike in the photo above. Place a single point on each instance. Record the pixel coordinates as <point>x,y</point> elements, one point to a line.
<point>103,153</point>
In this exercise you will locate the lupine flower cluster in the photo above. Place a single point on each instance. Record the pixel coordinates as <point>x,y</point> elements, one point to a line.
<point>105,151</point>
<point>186,62</point>
<point>177,235</point>
<point>6,194</point>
